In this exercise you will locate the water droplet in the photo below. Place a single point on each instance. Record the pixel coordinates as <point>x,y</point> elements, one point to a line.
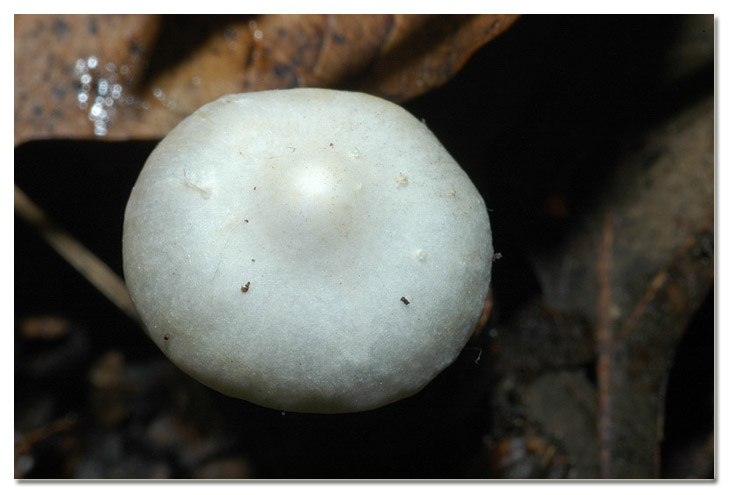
<point>95,111</point>
<point>80,66</point>
<point>103,87</point>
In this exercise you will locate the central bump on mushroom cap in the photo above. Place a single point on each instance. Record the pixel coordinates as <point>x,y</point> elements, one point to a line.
<point>313,181</point>
<point>372,247</point>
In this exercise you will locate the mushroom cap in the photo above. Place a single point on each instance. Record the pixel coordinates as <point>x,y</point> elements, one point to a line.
<point>307,250</point>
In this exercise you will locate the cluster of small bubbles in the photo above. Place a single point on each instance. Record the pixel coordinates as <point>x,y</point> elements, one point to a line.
<point>97,90</point>
<point>100,90</point>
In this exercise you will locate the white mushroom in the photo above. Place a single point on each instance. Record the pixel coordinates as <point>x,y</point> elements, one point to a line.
<point>307,250</point>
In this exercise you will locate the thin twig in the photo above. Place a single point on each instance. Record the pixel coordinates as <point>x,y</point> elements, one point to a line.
<point>92,268</point>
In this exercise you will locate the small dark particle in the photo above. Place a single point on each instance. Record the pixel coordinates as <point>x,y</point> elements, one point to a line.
<point>339,38</point>
<point>332,145</point>
<point>252,260</point>
<point>281,70</point>
<point>289,76</point>
<point>230,34</point>
<point>135,49</point>
<point>245,220</point>
<point>167,336</point>
<point>405,301</point>
<point>59,93</point>
<point>244,288</point>
<point>61,29</point>
<point>92,27</point>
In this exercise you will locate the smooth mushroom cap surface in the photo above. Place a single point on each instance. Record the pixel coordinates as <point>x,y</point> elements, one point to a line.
<point>307,250</point>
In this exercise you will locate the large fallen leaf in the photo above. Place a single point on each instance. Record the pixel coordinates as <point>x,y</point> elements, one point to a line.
<point>124,77</point>
<point>638,270</point>
<point>618,292</point>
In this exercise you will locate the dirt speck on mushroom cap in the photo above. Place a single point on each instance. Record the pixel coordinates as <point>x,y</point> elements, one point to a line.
<point>305,181</point>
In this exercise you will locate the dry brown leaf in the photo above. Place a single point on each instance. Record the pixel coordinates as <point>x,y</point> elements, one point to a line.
<point>46,82</point>
<point>639,270</point>
<point>166,67</point>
